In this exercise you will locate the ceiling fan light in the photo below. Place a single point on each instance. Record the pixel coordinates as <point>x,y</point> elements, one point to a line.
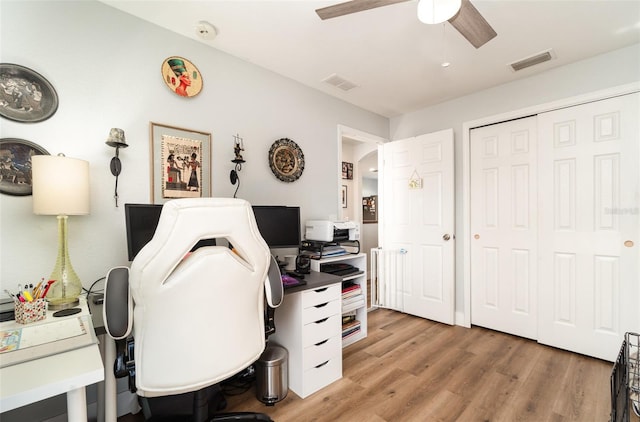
<point>437,11</point>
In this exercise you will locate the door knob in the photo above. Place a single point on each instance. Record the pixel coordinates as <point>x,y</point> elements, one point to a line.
<point>628,243</point>
<point>446,237</point>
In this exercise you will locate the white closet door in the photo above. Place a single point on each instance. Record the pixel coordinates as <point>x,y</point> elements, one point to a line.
<point>589,225</point>
<point>504,227</point>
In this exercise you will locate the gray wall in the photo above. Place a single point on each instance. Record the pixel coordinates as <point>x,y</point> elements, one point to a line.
<point>105,66</point>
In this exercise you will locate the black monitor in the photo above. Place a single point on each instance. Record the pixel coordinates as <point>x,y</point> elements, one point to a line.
<point>141,223</point>
<point>278,225</point>
<point>141,220</point>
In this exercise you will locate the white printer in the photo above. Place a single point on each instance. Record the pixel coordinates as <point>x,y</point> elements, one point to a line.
<point>331,231</point>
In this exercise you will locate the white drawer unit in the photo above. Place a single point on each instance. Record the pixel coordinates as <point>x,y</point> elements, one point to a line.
<point>308,325</point>
<point>322,375</point>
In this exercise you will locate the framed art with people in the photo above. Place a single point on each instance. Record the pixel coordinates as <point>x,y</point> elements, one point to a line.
<point>180,163</point>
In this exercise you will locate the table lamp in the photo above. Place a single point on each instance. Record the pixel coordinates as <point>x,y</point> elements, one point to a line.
<point>61,188</point>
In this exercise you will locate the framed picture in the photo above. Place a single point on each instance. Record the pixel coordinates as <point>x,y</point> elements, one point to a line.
<point>370,209</point>
<point>347,170</point>
<point>15,165</point>
<point>180,163</point>
<point>25,95</point>
<point>343,196</point>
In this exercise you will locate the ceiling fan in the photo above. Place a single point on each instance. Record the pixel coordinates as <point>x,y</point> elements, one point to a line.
<point>461,14</point>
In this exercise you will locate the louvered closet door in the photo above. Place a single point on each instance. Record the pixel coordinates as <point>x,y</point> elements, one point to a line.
<point>503,227</point>
<point>589,225</point>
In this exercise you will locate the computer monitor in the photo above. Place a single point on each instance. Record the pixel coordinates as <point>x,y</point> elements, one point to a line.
<point>141,223</point>
<point>278,225</point>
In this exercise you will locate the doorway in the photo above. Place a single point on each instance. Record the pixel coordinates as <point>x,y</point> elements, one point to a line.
<point>358,154</point>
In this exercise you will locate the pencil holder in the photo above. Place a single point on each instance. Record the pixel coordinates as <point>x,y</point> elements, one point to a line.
<point>27,312</point>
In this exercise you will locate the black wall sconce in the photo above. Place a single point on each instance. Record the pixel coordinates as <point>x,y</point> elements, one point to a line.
<point>234,177</point>
<point>116,140</point>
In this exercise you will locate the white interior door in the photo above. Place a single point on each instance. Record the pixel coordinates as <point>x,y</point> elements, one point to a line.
<point>417,214</point>
<point>504,227</point>
<point>589,225</point>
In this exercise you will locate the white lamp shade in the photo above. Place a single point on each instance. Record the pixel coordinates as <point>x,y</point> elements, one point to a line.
<point>60,185</point>
<point>437,11</point>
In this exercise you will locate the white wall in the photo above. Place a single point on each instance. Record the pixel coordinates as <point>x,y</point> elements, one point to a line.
<point>105,67</point>
<point>369,187</point>
<point>616,68</point>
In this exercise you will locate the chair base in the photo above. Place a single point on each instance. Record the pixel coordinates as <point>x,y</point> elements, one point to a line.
<point>198,406</point>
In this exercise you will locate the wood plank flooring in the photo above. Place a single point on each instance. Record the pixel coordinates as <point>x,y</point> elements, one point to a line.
<point>411,369</point>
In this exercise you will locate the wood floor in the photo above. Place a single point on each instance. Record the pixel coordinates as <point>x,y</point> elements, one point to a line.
<point>411,369</point>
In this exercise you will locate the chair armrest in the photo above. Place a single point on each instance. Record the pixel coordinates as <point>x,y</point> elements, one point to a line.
<point>274,292</point>
<point>118,304</point>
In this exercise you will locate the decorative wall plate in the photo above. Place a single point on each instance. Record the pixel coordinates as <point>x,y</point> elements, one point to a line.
<point>286,160</point>
<point>25,95</point>
<point>15,165</point>
<point>182,76</point>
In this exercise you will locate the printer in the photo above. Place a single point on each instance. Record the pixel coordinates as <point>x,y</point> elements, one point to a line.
<point>331,231</point>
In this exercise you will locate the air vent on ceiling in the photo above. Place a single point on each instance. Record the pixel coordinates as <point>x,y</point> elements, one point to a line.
<point>545,56</point>
<point>339,82</point>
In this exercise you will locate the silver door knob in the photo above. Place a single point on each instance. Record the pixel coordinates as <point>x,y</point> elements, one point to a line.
<point>446,237</point>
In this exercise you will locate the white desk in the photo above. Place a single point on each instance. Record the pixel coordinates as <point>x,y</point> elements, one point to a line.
<point>67,372</point>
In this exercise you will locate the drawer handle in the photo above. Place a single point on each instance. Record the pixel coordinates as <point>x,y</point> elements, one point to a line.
<point>321,343</point>
<point>322,305</point>
<point>322,364</point>
<point>321,290</point>
<point>320,321</point>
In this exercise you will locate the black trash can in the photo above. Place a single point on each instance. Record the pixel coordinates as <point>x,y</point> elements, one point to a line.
<point>272,375</point>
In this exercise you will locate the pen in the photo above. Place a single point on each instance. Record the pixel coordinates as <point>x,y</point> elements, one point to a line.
<point>20,298</point>
<point>11,294</point>
<point>27,296</point>
<point>36,290</point>
<point>46,289</point>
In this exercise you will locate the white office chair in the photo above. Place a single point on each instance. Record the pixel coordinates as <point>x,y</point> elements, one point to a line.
<point>198,318</point>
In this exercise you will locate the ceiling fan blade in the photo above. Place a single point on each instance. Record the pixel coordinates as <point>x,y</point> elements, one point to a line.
<point>352,6</point>
<point>470,23</point>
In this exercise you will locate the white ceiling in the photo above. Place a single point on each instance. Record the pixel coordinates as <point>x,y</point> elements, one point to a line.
<point>392,57</point>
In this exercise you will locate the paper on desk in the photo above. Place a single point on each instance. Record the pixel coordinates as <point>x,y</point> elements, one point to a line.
<point>36,335</point>
<point>35,341</point>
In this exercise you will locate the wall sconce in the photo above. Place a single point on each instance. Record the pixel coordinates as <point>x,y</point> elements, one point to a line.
<point>234,177</point>
<point>116,140</point>
<point>61,188</point>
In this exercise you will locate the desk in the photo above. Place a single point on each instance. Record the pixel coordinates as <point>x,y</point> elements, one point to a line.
<point>314,280</point>
<point>68,372</point>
